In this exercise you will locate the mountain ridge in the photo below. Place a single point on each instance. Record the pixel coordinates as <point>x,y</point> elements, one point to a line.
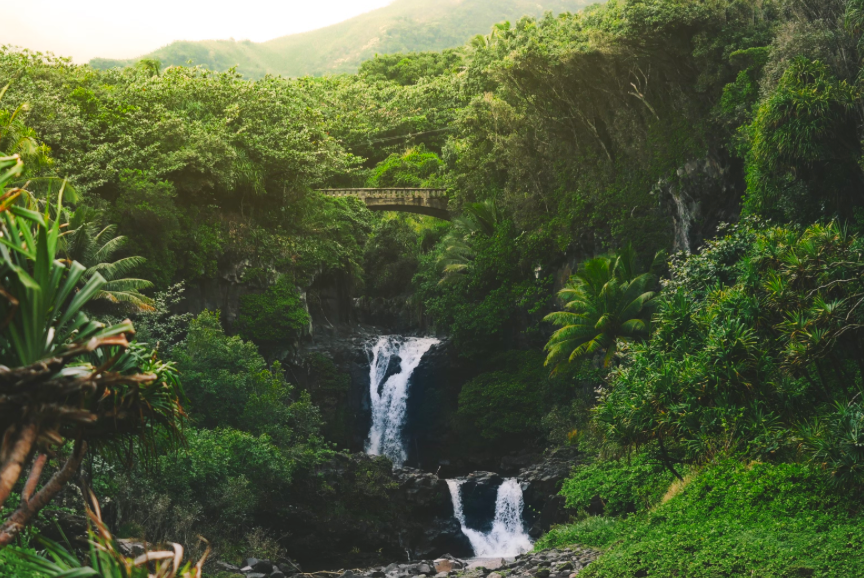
<point>403,26</point>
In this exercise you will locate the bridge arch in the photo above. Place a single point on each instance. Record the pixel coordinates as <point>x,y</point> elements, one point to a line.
<point>430,202</point>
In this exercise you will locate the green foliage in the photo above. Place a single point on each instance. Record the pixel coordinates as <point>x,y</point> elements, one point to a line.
<point>626,485</point>
<point>752,336</point>
<point>803,136</point>
<point>594,531</point>
<point>508,402</point>
<point>835,440</point>
<point>276,315</point>
<point>93,245</point>
<point>607,301</point>
<point>732,520</point>
<point>45,315</point>
<point>13,564</point>
<point>416,167</point>
<point>411,68</point>
<point>391,259</point>
<point>483,304</point>
<point>230,385</point>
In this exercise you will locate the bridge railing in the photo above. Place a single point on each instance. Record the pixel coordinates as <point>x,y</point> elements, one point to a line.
<point>386,193</point>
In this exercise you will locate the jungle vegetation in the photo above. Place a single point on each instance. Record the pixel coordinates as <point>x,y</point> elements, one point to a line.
<point>716,394</point>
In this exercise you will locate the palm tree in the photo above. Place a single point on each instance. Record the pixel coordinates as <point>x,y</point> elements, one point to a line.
<point>606,302</point>
<point>477,219</point>
<point>94,246</point>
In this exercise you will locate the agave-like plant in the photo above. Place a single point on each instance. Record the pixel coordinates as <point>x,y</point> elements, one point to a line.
<point>65,380</point>
<point>106,559</point>
<point>607,301</point>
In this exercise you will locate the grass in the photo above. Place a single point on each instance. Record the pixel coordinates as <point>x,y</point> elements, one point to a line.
<point>756,520</point>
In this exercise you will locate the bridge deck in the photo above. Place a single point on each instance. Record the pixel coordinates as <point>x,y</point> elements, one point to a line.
<point>432,202</point>
<point>389,193</point>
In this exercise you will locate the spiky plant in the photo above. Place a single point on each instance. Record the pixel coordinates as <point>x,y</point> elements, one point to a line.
<point>65,380</point>
<point>106,560</point>
<point>606,302</point>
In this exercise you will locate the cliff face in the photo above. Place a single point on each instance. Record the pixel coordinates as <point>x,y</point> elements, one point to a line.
<point>704,193</point>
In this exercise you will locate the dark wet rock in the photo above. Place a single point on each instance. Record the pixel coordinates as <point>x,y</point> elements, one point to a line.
<point>540,484</point>
<point>704,193</point>
<point>479,492</point>
<point>263,566</point>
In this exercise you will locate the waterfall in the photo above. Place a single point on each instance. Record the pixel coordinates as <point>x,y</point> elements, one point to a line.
<point>389,400</point>
<point>507,537</point>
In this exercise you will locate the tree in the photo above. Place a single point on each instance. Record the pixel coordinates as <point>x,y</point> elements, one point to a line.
<point>607,301</point>
<point>94,246</point>
<point>65,380</point>
<point>477,219</point>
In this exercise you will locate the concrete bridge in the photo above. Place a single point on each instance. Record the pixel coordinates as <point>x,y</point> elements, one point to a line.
<point>431,202</point>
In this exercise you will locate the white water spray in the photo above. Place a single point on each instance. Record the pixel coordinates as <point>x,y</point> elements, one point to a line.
<point>507,537</point>
<point>389,401</point>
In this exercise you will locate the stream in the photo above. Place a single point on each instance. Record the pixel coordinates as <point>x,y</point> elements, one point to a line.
<point>389,392</point>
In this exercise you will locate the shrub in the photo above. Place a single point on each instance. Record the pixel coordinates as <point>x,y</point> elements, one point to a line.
<point>274,316</point>
<point>594,531</point>
<point>620,486</point>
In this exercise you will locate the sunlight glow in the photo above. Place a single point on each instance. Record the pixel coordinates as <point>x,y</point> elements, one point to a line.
<point>84,29</point>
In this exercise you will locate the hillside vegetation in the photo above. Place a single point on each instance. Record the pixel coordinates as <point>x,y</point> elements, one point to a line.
<point>403,26</point>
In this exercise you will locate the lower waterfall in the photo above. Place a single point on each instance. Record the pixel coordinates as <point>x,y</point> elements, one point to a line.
<point>507,537</point>
<point>389,401</point>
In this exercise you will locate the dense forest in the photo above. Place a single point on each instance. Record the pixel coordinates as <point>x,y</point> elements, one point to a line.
<point>654,261</point>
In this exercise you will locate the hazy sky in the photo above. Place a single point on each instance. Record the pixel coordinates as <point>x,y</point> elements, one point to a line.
<point>83,29</point>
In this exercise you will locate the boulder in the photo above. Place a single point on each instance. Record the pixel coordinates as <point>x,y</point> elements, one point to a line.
<point>540,485</point>
<point>445,565</point>
<point>487,563</point>
<point>263,566</point>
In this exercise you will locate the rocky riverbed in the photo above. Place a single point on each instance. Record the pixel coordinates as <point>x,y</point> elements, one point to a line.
<point>558,563</point>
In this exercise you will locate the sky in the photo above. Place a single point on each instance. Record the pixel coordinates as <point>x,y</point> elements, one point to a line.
<point>84,29</point>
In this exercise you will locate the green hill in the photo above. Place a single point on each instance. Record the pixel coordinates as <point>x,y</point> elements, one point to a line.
<point>403,26</point>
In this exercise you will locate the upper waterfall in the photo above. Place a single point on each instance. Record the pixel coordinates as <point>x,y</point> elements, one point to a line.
<point>389,400</point>
<point>507,537</point>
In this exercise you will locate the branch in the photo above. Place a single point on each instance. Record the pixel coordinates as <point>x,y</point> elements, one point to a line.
<point>25,513</point>
<point>33,479</point>
<point>12,466</point>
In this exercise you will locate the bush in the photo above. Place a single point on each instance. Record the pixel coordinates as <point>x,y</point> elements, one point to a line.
<point>619,486</point>
<point>595,532</point>
<point>277,315</point>
<point>230,385</point>
<point>836,442</point>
